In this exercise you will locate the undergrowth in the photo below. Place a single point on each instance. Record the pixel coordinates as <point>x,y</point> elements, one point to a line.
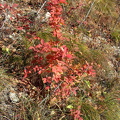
<point>66,76</point>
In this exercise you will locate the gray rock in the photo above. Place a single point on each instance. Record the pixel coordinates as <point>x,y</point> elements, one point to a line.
<point>13,96</point>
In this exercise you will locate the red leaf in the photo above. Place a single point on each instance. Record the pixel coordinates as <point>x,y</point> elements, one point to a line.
<point>69,56</point>
<point>57,69</point>
<point>42,41</point>
<point>11,18</point>
<point>63,1</point>
<point>14,5</point>
<point>118,98</point>
<point>20,28</point>
<point>55,49</point>
<point>1,6</point>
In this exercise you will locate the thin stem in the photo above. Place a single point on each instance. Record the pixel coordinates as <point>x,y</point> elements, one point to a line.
<point>87,13</point>
<point>41,7</point>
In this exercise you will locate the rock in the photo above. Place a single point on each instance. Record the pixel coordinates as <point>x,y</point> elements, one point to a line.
<point>46,17</point>
<point>13,96</point>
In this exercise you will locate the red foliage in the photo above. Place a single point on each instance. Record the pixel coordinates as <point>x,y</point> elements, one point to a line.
<point>76,114</point>
<point>55,21</point>
<point>88,69</point>
<point>53,61</point>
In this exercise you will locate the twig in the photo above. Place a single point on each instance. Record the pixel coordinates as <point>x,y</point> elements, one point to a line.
<point>87,13</point>
<point>46,98</point>
<point>41,7</point>
<point>57,86</point>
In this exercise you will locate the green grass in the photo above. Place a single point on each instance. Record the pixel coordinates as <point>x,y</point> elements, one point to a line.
<point>5,79</point>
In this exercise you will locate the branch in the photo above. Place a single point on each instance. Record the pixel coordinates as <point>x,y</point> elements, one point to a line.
<point>41,7</point>
<point>87,13</point>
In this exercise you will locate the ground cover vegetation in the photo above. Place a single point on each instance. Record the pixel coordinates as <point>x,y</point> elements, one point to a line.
<point>64,56</point>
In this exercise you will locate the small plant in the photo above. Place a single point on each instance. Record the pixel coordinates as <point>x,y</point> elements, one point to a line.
<point>54,62</point>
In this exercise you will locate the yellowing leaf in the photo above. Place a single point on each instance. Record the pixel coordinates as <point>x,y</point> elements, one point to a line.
<point>70,107</point>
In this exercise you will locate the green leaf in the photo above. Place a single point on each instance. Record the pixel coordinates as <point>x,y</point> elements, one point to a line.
<point>7,50</point>
<point>88,83</point>
<point>69,106</point>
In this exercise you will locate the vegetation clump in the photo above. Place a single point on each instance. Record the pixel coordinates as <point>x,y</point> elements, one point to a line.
<point>63,54</point>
